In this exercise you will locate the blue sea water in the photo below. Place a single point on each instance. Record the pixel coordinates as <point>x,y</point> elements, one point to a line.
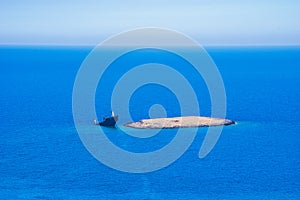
<point>42,157</point>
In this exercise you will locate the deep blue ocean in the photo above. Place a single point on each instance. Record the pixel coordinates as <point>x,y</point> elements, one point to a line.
<point>42,156</point>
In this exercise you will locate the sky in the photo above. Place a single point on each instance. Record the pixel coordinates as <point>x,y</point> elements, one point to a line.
<point>210,22</point>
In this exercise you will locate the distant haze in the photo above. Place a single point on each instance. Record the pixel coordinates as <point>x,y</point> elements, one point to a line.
<point>219,22</point>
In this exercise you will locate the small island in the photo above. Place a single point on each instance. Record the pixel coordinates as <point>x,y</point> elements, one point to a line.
<point>179,122</point>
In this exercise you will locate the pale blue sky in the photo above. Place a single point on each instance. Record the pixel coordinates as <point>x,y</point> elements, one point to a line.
<point>210,22</point>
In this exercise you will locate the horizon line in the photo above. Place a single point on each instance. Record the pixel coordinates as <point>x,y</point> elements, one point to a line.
<point>94,45</point>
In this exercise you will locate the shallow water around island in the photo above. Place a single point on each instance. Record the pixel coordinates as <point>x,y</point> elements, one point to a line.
<point>42,157</point>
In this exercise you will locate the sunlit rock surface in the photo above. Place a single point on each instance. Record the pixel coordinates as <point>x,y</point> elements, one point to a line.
<point>180,122</point>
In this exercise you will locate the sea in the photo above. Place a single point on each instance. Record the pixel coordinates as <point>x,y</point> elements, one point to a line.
<point>43,157</point>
